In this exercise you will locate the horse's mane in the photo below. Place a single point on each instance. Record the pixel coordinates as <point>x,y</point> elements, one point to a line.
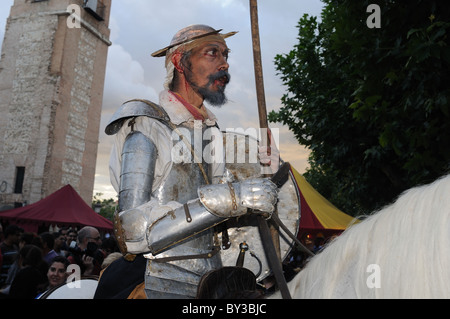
<point>408,242</point>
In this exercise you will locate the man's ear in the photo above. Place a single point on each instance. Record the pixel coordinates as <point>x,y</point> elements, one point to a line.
<point>176,60</point>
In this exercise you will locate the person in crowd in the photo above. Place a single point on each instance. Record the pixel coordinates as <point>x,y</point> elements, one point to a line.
<point>59,244</point>
<point>48,241</point>
<point>318,244</point>
<point>26,238</point>
<point>30,279</point>
<point>109,245</point>
<point>9,249</point>
<point>57,272</point>
<point>88,255</point>
<point>63,232</point>
<point>71,239</point>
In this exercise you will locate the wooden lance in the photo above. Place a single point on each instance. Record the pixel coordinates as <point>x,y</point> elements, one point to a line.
<point>269,233</point>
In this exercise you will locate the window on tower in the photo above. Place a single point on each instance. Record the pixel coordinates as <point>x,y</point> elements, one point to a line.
<point>20,176</point>
<point>96,8</point>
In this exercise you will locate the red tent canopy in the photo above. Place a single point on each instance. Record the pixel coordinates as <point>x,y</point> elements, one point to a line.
<point>63,208</point>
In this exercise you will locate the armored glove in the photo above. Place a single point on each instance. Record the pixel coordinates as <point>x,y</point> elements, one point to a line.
<point>234,199</point>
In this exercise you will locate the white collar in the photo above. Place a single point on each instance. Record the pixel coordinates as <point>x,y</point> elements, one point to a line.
<point>177,113</point>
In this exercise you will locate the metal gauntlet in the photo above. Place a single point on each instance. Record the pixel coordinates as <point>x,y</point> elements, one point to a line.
<point>149,229</point>
<point>233,199</point>
<point>153,228</point>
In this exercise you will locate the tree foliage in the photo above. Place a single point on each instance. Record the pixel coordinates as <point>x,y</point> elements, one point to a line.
<point>107,206</point>
<point>372,105</point>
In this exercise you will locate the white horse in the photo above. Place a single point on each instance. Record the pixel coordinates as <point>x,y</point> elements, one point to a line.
<point>402,251</point>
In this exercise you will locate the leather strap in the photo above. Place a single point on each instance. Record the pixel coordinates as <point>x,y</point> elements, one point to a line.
<point>211,254</point>
<point>278,221</point>
<point>120,238</point>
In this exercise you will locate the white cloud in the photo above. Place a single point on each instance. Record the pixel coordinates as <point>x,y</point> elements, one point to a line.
<point>124,79</point>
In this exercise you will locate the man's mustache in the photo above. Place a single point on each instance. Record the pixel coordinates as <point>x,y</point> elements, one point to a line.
<point>221,75</point>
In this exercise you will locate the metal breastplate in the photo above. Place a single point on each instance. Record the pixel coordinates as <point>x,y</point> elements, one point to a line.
<point>179,279</point>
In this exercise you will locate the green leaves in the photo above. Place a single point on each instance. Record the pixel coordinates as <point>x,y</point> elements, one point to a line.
<point>372,105</point>
<point>107,206</point>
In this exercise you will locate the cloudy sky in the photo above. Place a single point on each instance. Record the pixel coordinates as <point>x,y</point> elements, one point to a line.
<point>140,27</point>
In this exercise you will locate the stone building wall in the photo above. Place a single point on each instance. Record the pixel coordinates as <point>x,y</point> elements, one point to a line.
<point>51,88</point>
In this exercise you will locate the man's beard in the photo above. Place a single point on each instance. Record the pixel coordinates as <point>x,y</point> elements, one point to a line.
<point>215,98</point>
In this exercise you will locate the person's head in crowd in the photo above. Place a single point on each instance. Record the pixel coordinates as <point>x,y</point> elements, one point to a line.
<point>57,272</point>
<point>12,235</point>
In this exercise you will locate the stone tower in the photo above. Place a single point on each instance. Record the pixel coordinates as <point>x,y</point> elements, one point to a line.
<point>52,73</point>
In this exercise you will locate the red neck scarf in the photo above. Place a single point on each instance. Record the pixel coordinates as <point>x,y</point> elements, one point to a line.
<point>192,109</point>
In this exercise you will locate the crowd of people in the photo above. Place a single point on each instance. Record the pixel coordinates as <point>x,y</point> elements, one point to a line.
<point>31,264</point>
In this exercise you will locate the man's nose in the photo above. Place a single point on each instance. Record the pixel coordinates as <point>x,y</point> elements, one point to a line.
<point>223,66</point>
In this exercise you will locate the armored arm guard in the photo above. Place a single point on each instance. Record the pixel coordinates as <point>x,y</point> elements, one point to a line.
<point>216,204</point>
<point>152,228</point>
<point>138,167</point>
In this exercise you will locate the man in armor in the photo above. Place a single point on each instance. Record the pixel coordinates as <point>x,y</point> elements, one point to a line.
<point>168,166</point>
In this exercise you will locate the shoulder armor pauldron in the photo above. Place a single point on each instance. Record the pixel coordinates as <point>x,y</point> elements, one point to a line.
<point>135,108</point>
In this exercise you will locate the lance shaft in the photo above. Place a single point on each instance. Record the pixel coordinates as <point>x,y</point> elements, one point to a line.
<point>269,234</point>
<point>260,93</point>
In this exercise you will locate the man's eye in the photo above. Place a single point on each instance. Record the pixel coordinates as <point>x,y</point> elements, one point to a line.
<point>212,52</point>
<point>225,54</point>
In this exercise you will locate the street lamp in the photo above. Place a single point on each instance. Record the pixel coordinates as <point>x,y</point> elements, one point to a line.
<point>97,208</point>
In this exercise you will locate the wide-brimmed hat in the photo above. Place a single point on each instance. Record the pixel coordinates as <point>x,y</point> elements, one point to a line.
<point>191,33</point>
